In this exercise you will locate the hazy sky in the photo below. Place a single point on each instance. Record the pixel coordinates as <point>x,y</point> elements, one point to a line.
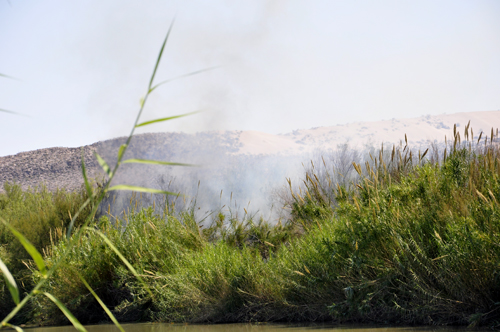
<point>82,66</point>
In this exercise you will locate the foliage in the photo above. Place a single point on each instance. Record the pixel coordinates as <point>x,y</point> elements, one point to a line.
<point>39,215</point>
<point>420,247</point>
<point>407,241</point>
<point>72,238</point>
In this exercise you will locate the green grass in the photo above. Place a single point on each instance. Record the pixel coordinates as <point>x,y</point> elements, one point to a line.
<point>94,198</point>
<point>38,214</point>
<point>414,243</point>
<point>42,217</point>
<point>409,241</point>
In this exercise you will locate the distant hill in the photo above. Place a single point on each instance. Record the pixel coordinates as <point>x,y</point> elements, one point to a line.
<point>220,152</point>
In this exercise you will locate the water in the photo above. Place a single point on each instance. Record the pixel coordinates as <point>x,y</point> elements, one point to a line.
<point>148,327</point>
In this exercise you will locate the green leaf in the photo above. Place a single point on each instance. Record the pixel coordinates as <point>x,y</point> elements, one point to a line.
<point>154,162</point>
<point>159,56</point>
<point>35,254</point>
<point>15,327</point>
<point>164,119</point>
<point>141,189</point>
<point>6,76</point>
<point>103,164</point>
<point>11,283</point>
<point>82,207</point>
<point>182,76</point>
<point>124,260</point>
<point>66,312</point>
<point>110,314</point>
<point>121,150</point>
<point>90,193</point>
<point>85,179</point>
<point>6,111</point>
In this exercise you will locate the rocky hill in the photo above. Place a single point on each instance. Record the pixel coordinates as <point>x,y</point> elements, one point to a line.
<point>54,167</point>
<point>246,155</point>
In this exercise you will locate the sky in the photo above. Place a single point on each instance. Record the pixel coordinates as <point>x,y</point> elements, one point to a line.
<point>80,68</point>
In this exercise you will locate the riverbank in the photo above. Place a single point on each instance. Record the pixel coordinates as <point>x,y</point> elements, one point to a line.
<point>414,240</point>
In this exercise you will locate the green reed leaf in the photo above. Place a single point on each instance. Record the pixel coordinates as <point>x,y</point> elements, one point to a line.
<point>153,162</point>
<point>164,119</point>
<point>11,112</point>
<point>66,312</point>
<point>103,164</point>
<point>85,179</point>
<point>15,327</point>
<point>159,56</point>
<point>7,111</point>
<point>141,189</point>
<point>182,76</point>
<point>7,76</point>
<point>82,207</point>
<point>124,260</point>
<point>11,283</point>
<point>90,193</point>
<point>121,150</point>
<point>30,248</point>
<point>104,306</point>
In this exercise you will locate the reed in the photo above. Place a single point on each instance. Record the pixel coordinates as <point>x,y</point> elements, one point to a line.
<point>401,237</point>
<point>412,242</point>
<point>74,239</point>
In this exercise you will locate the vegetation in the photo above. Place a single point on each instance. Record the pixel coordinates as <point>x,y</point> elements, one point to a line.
<point>412,240</point>
<point>74,238</point>
<point>41,216</point>
<point>408,241</point>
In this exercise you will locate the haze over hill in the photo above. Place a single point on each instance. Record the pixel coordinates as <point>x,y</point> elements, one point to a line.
<point>420,131</point>
<point>234,168</point>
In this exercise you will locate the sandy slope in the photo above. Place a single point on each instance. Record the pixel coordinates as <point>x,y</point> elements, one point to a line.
<point>420,131</point>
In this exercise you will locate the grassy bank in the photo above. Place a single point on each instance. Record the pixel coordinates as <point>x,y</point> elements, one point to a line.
<point>42,217</point>
<point>415,241</point>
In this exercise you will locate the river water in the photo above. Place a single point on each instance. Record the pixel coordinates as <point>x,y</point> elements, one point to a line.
<point>148,327</point>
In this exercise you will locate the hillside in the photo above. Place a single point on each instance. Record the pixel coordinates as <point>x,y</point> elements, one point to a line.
<point>217,150</point>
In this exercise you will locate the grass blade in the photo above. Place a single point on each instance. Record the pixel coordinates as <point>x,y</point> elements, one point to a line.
<point>182,76</point>
<point>15,327</point>
<point>30,248</point>
<point>11,283</point>
<point>164,119</point>
<point>85,179</point>
<point>11,112</point>
<point>153,162</point>
<point>159,55</point>
<point>103,164</point>
<point>110,314</point>
<point>82,207</point>
<point>124,260</point>
<point>122,149</point>
<point>90,193</point>
<point>141,189</point>
<point>66,312</point>
<point>7,76</point>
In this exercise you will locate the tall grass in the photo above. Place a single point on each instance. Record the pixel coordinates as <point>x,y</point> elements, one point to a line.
<point>38,213</point>
<point>414,241</point>
<point>73,239</point>
<point>408,240</point>
<point>41,216</point>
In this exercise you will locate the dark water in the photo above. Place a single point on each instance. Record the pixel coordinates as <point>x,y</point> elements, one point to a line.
<point>238,328</point>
